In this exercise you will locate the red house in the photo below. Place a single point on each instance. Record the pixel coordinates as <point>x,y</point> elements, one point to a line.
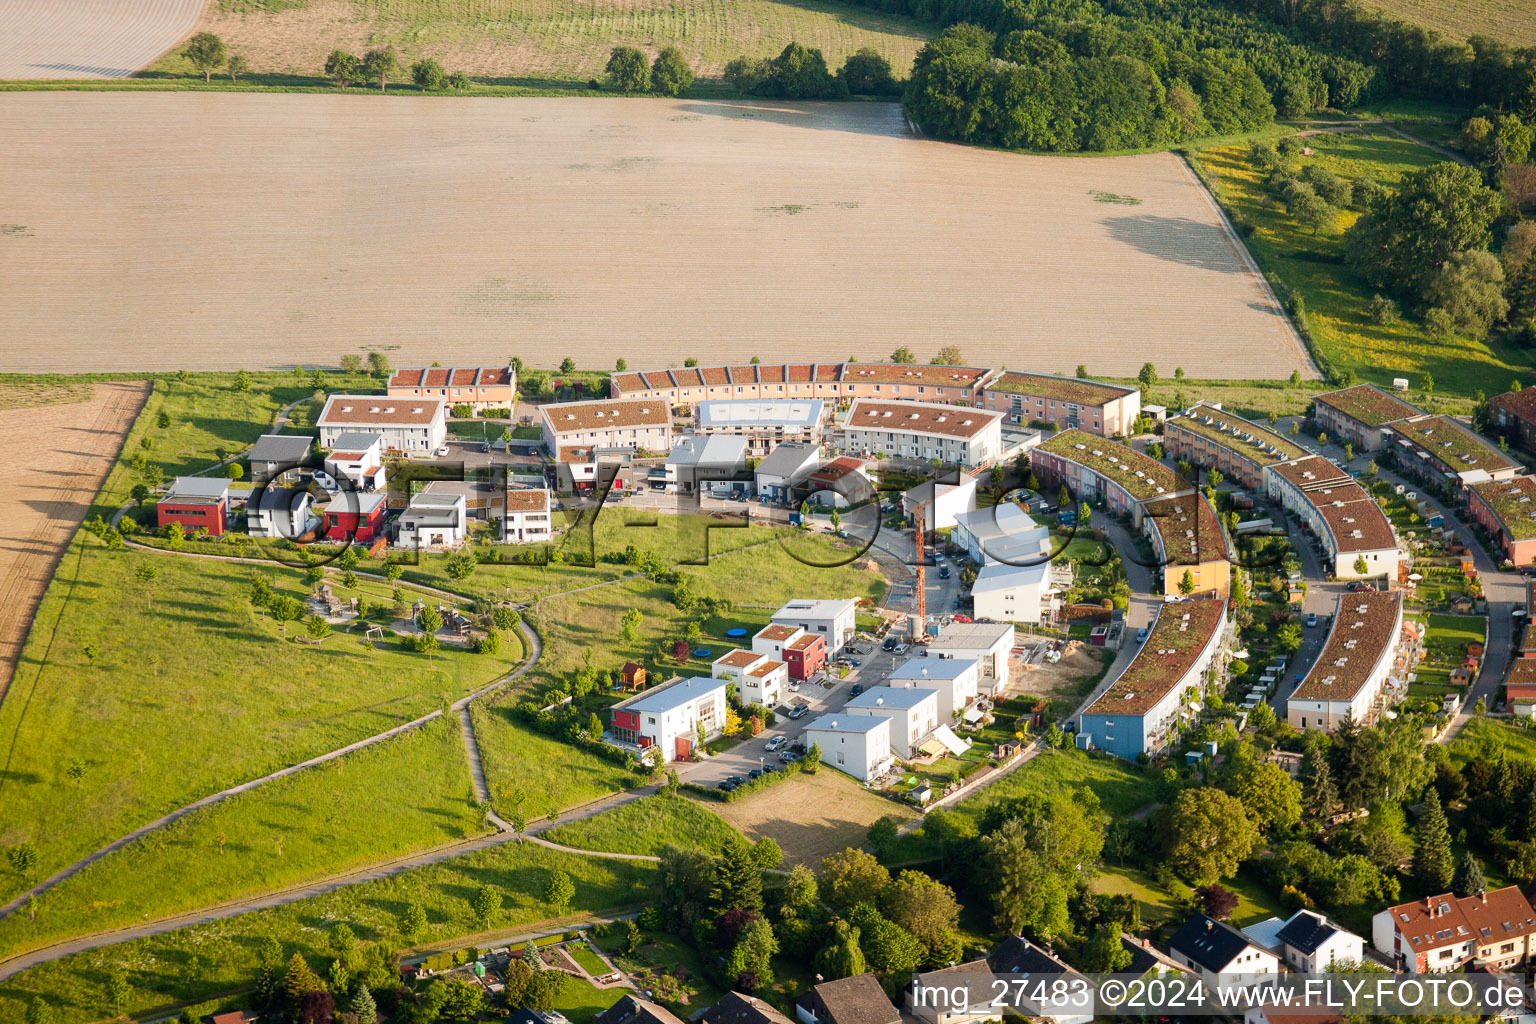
<point>356,516</point>
<point>195,501</point>
<point>806,655</point>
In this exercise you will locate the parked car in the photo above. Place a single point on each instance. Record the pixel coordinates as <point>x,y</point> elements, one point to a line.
<point>903,648</point>
<point>726,785</point>
<point>855,662</point>
<point>943,572</point>
<point>799,711</point>
<point>794,685</point>
<point>755,773</point>
<point>890,643</point>
<point>736,779</point>
<point>442,452</point>
<point>1311,619</point>
<point>1141,635</point>
<point>775,744</point>
<point>938,556</point>
<point>789,757</point>
<point>858,688</point>
<point>770,767</point>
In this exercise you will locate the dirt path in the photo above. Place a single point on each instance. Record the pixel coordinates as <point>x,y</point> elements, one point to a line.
<point>52,461</point>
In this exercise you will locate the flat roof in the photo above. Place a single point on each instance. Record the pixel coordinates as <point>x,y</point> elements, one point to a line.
<point>853,724</point>
<point>1312,472</point>
<point>281,448</point>
<point>901,698</point>
<point>1453,444</point>
<point>768,412</point>
<point>674,693</point>
<point>1246,438</point>
<point>971,636</point>
<point>809,608</point>
<point>197,488</point>
<point>712,451</point>
<point>1142,477</point>
<point>606,414</point>
<point>1078,390</point>
<point>739,658</point>
<point>932,668</point>
<point>366,410</point>
<point>527,499</point>
<point>919,418</point>
<point>1004,576</point>
<point>1172,647</point>
<point>1364,629</point>
<point>776,631</point>
<point>1367,404</point>
<point>1190,532</point>
<point>1513,503</point>
<point>788,458</point>
<point>1520,404</point>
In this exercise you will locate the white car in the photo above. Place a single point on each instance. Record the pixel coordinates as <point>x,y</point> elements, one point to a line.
<point>442,452</point>
<point>776,743</point>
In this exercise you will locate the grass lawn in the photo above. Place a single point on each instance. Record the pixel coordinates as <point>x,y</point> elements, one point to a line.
<point>649,825</point>
<point>1492,738</point>
<point>673,970</point>
<point>535,774</point>
<point>162,698</point>
<point>197,963</point>
<point>408,793</point>
<point>1159,907</point>
<point>589,961</point>
<point>1336,301</point>
<point>580,1000</point>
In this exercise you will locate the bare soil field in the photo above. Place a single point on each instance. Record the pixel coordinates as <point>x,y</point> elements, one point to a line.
<point>52,460</point>
<point>811,816</point>
<point>554,42</point>
<point>167,230</point>
<point>89,38</point>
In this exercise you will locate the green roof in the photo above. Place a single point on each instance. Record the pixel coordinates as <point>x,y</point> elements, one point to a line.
<point>1242,436</point>
<point>1514,502</point>
<point>1453,444</point>
<point>1368,404</point>
<point>1116,462</point>
<point>1063,389</point>
<point>1176,639</point>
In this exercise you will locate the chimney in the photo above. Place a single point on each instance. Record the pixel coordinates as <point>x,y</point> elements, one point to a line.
<point>1482,895</point>
<point>1209,924</point>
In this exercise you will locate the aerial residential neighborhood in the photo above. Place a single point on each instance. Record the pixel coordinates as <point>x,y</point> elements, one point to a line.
<point>864,512</point>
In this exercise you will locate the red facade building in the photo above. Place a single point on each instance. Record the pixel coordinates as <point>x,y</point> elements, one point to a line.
<point>806,655</point>
<point>193,502</point>
<point>355,516</point>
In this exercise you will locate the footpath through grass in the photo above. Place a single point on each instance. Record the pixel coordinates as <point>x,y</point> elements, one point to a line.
<point>408,793</point>
<point>1336,300</point>
<point>199,963</point>
<point>133,699</point>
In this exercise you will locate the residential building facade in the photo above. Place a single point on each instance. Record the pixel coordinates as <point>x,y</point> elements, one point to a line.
<point>1208,436</point>
<point>1219,953</point>
<point>1513,414</point>
<point>1064,403</point>
<point>1093,468</point>
<point>528,519</point>
<point>480,388</point>
<point>571,429</point>
<point>1357,414</point>
<point>358,458</point>
<point>1440,451</point>
<point>1447,932</point>
<point>195,502</point>
<point>670,718</point>
<point>955,679</point>
<point>1507,510</point>
<point>759,679</point>
<point>913,714</point>
<point>834,620</point>
<point>834,382</point>
<point>410,425</point>
<point>857,745</point>
<point>1357,672</point>
<point>278,458</point>
<point>988,644</point>
<point>1345,519</point>
<point>356,516</point>
<point>1190,546</point>
<point>433,520</point>
<point>924,430</point>
<point>763,423</point>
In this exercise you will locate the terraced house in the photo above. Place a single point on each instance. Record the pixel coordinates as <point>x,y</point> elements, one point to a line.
<point>1507,510</point>
<point>1187,538</point>
<point>922,430</point>
<point>1513,414</point>
<point>1346,520</point>
<point>479,387</point>
<point>417,425</point>
<point>840,382</point>
<point>1208,436</point>
<point>1439,450</point>
<point>1357,414</point>
<point>1143,711</point>
<point>1091,467</point>
<point>1359,671</point>
<point>1066,403</point>
<point>571,429</point>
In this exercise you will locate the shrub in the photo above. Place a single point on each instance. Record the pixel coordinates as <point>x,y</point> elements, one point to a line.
<point>1383,310</point>
<point>429,74</point>
<point>670,73</point>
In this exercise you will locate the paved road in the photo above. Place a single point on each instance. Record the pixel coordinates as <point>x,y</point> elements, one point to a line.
<point>1141,611</point>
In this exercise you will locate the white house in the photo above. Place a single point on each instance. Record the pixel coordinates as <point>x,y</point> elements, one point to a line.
<point>286,512</point>
<point>913,713</point>
<point>759,679</point>
<point>1340,513</point>
<point>703,464</point>
<point>1219,953</point>
<point>1308,941</point>
<point>1013,593</point>
<point>988,644</point>
<point>772,639</point>
<point>943,501</point>
<point>786,466</point>
<point>1352,678</point>
<point>1001,533</point>
<point>572,429</point>
<point>527,519</point>
<point>924,430</point>
<point>667,718</point>
<point>434,520</point>
<point>859,745</point>
<point>404,424</point>
<point>763,423</point>
<point>955,679</point>
<point>834,620</point>
<point>359,457</point>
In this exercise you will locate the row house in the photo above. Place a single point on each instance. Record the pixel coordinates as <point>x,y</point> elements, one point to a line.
<point>1439,450</point>
<point>1064,403</point>
<point>479,387</point>
<point>1507,510</point>
<point>1358,415</point>
<point>1359,668</point>
<point>1091,467</point>
<point>838,383</point>
<point>1210,437</point>
<point>1346,520</point>
<point>923,430</point>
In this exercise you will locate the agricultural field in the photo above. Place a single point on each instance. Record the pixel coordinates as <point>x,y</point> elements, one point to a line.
<point>199,963</point>
<point>740,212</point>
<point>89,39</point>
<point>548,43</point>
<point>1513,21</point>
<point>646,826</point>
<point>811,816</point>
<point>1336,301</point>
<point>409,793</point>
<point>55,457</point>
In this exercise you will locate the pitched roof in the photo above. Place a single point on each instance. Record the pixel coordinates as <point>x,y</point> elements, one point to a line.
<point>1017,955</point>
<point>1210,943</point>
<point>1364,630</point>
<point>367,410</point>
<point>606,414</point>
<point>1173,645</point>
<point>1367,404</point>
<point>735,1008</point>
<point>919,418</point>
<point>280,448</point>
<point>1306,931</point>
<point>458,376</point>
<point>787,458</point>
<point>1146,957</point>
<point>855,1000</point>
<point>632,1010</point>
<point>1065,389</point>
<point>1520,404</point>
